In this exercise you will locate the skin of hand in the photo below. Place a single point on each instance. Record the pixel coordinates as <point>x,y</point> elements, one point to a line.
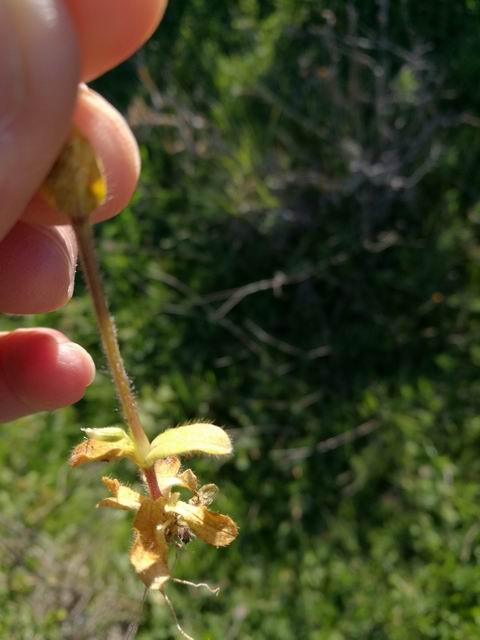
<point>48,49</point>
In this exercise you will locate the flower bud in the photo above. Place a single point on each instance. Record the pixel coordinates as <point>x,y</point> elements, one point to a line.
<point>75,185</point>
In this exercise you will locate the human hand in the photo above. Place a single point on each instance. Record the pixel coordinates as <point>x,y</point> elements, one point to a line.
<point>47,48</point>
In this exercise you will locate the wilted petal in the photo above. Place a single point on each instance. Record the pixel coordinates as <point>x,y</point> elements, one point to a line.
<point>123,497</point>
<point>192,438</point>
<point>167,466</point>
<point>211,527</point>
<point>187,479</point>
<point>205,495</point>
<point>165,483</point>
<point>92,450</point>
<point>190,480</point>
<point>149,553</point>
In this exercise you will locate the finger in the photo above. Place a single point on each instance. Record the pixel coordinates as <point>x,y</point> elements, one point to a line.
<point>39,72</point>
<point>117,150</point>
<point>40,370</point>
<point>39,262</point>
<point>109,31</point>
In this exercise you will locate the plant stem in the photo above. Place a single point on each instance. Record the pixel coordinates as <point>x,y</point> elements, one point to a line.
<point>152,482</point>
<point>84,236</point>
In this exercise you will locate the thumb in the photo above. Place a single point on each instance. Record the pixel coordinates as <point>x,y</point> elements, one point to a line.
<point>39,75</point>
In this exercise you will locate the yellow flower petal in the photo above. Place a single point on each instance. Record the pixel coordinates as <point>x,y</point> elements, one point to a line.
<point>75,185</point>
<point>213,528</point>
<point>149,553</point>
<point>192,438</point>
<point>123,497</point>
<point>93,450</point>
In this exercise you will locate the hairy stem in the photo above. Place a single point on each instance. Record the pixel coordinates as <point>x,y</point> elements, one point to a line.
<point>84,236</point>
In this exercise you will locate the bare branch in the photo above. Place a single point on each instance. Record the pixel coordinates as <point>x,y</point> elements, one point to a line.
<point>297,454</point>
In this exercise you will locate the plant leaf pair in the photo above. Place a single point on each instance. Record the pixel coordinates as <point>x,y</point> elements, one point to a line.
<point>112,443</point>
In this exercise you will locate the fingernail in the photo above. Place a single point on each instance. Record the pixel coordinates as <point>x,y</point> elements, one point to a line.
<point>12,81</point>
<point>72,355</point>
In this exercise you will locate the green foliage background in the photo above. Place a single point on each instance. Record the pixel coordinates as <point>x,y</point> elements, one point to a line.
<point>328,153</point>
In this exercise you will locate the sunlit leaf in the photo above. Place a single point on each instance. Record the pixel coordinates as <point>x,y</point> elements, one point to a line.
<point>107,434</point>
<point>192,438</point>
